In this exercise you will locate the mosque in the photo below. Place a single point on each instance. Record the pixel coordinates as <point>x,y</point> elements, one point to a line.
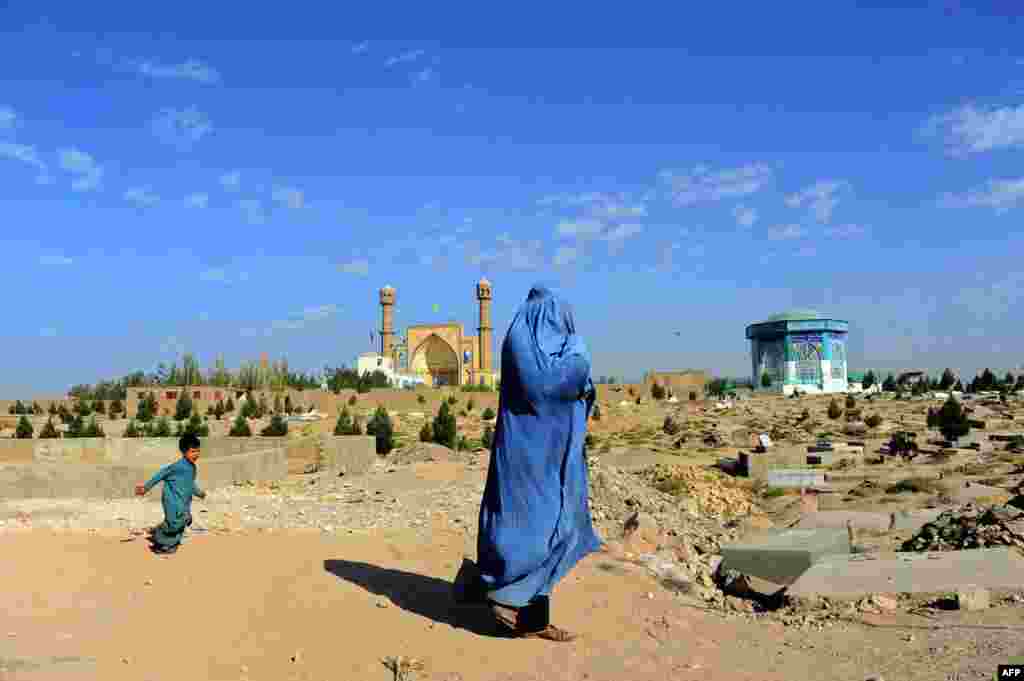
<point>434,354</point>
<point>799,350</point>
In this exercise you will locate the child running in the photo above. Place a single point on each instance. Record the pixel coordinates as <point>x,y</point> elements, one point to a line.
<point>179,480</point>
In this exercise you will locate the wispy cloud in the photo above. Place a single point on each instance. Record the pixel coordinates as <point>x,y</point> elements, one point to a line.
<point>785,232</point>
<point>620,233</point>
<point>253,209</point>
<point>55,261</point>
<point>191,69</point>
<point>288,196</point>
<point>181,128</point>
<point>565,255</point>
<point>745,217</point>
<point>850,231</point>
<point>360,48</point>
<point>141,197</point>
<point>7,118</point>
<point>508,253</point>
<point>28,155</point>
<point>597,205</point>
<point>580,228</point>
<point>197,200</point>
<point>999,195</point>
<point>819,197</point>
<point>310,315</point>
<point>88,174</point>
<point>232,181</point>
<point>973,130</point>
<point>357,267</point>
<point>410,56</point>
<point>701,184</point>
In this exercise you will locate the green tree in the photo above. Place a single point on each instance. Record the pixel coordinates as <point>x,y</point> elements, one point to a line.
<point>987,381</point>
<point>24,430</point>
<point>958,386</point>
<point>218,410</point>
<point>92,429</point>
<point>76,427</point>
<point>889,384</point>
<point>64,414</point>
<point>278,427</point>
<point>932,420</point>
<point>159,428</point>
<point>445,427</point>
<point>452,400</point>
<point>132,430</point>
<point>352,401</point>
<point>183,408</point>
<point>834,410</point>
<point>288,408</point>
<point>488,414</point>
<point>657,391</point>
<point>36,409</point>
<point>869,380</point>
<point>1009,381</point>
<point>953,423</point>
<point>427,432</point>
<point>240,428</point>
<point>277,404</point>
<point>147,408</point>
<point>229,406</point>
<point>116,407</point>
<point>595,413</point>
<point>766,380</point>
<point>380,427</point>
<point>49,431</point>
<point>947,379</point>
<point>344,424</point>
<point>488,437</point>
<point>469,404</point>
<point>53,408</point>
<point>196,426</point>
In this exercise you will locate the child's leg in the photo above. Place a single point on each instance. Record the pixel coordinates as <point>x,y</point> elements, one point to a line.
<point>168,535</point>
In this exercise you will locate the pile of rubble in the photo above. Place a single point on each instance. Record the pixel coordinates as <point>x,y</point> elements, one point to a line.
<point>708,493</point>
<point>971,527</point>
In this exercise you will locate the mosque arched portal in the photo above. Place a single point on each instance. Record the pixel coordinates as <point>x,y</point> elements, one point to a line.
<point>436,361</point>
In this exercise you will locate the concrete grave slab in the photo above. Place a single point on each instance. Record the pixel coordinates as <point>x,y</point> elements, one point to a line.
<point>862,520</point>
<point>794,477</point>
<point>854,576</point>
<point>782,557</point>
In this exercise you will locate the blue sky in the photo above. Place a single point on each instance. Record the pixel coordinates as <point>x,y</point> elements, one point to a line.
<point>233,181</point>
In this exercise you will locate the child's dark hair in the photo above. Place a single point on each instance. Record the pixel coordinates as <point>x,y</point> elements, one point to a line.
<point>188,441</point>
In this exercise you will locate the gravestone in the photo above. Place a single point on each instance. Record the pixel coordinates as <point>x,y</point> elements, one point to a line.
<point>782,557</point>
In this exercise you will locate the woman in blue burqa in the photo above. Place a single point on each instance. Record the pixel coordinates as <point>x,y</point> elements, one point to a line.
<point>535,523</point>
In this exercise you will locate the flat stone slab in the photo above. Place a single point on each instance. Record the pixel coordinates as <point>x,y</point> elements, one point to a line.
<point>865,520</point>
<point>794,477</point>
<point>854,576</point>
<point>782,557</point>
<point>976,491</point>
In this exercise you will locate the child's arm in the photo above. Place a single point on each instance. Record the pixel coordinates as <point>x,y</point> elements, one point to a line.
<point>142,488</point>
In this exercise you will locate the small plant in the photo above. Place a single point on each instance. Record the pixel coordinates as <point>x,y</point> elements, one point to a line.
<point>766,380</point>
<point>670,426</point>
<point>463,443</point>
<point>229,406</point>
<point>183,408</point>
<point>352,401</point>
<point>834,410</point>
<point>850,402</point>
<point>344,423</point>
<point>92,429</point>
<point>421,399</point>
<point>197,426</point>
<point>381,428</point>
<point>49,431</point>
<point>657,391</point>
<point>218,410</point>
<point>873,421</point>
<point>773,492</point>
<point>805,415</point>
<point>489,414</point>
<point>953,422</point>
<point>452,400</point>
<point>240,428</point>
<point>131,430</point>
<point>445,427</point>
<point>638,399</point>
<point>469,404</point>
<point>24,430</point>
<point>427,432</point>
<point>277,427</point>
<point>595,413</point>
<point>487,439</point>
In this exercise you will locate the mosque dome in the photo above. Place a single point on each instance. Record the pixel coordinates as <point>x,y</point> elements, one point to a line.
<point>794,315</point>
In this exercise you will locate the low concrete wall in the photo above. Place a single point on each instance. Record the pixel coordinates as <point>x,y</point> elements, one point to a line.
<point>150,449</point>
<point>109,481</point>
<point>349,454</point>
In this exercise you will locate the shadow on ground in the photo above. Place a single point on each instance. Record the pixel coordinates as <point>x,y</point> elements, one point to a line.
<point>428,597</point>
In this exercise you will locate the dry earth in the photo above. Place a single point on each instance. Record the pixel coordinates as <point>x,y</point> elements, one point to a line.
<point>325,578</point>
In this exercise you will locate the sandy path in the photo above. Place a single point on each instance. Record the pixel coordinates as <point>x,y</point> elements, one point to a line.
<point>88,606</point>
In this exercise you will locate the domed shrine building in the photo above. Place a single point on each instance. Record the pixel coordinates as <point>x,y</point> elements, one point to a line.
<point>799,350</point>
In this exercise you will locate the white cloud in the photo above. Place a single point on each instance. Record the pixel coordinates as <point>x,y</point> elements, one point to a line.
<point>580,228</point>
<point>596,205</point>
<point>972,130</point>
<point>181,128</point>
<point>55,260</point>
<point>7,118</point>
<point>700,184</point>
<point>511,254</point>
<point>360,48</point>
<point>999,195</point>
<point>197,200</point>
<point>622,232</point>
<point>141,197</point>
<point>404,57</point>
<point>288,196</point>
<point>253,209</point>
<point>565,255</point>
<point>28,155</point>
<point>819,197</point>
<point>358,267</point>
<point>192,69</point>
<point>88,174</point>
<point>232,181</point>
<point>785,232</point>
<point>745,217</point>
<point>850,231</point>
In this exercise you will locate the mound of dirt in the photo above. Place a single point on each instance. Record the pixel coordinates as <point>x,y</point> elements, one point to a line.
<point>971,527</point>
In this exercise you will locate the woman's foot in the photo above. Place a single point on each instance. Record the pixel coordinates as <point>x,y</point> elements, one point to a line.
<point>550,633</point>
<point>506,616</point>
<point>164,551</point>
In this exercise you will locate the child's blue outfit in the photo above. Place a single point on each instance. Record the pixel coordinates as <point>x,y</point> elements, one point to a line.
<point>179,480</point>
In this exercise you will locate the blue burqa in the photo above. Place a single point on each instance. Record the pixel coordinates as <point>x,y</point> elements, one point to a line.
<point>535,521</point>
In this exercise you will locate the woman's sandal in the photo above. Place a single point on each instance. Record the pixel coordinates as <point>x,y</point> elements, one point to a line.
<point>550,633</point>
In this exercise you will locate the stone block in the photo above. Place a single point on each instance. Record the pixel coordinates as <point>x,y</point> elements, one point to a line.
<point>794,477</point>
<point>972,598</point>
<point>857,575</point>
<point>782,557</point>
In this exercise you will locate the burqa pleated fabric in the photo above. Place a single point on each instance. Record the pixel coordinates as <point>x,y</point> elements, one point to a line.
<point>535,523</point>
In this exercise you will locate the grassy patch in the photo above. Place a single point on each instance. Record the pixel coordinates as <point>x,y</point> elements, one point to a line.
<point>773,492</point>
<point>674,486</point>
<point>915,485</point>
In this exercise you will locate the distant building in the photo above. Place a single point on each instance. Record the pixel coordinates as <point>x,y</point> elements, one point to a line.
<point>799,350</point>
